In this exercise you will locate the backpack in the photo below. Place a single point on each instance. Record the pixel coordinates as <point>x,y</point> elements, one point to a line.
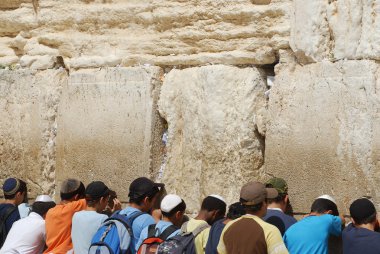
<point>114,235</point>
<point>183,243</point>
<point>151,243</point>
<point>3,219</point>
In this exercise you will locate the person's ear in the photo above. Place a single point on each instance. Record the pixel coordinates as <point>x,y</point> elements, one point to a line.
<point>286,199</point>
<point>76,197</point>
<point>353,221</point>
<point>328,212</point>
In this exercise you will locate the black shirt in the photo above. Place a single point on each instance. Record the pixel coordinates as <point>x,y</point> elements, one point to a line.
<point>360,240</point>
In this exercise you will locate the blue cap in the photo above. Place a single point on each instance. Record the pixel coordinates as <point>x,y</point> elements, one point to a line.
<point>11,186</point>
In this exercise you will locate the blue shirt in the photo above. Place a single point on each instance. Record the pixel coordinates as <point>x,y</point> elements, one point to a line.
<point>12,218</point>
<point>360,240</point>
<point>84,227</point>
<point>279,219</point>
<point>214,236</point>
<point>138,225</point>
<point>310,235</point>
<point>160,226</point>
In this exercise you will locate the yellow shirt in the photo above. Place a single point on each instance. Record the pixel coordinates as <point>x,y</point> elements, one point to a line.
<point>201,240</point>
<point>261,232</point>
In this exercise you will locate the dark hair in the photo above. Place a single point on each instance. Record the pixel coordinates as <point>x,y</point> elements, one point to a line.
<point>236,210</point>
<point>91,202</point>
<point>251,208</point>
<point>211,203</point>
<point>22,188</point>
<point>72,187</point>
<point>280,198</point>
<point>367,220</point>
<point>321,205</point>
<point>42,207</point>
<point>181,207</point>
<point>150,195</point>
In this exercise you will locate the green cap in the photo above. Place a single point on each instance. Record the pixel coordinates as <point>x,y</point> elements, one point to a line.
<point>279,184</point>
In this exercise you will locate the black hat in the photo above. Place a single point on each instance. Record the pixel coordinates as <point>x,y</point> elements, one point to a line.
<point>96,190</point>
<point>361,209</point>
<point>143,186</point>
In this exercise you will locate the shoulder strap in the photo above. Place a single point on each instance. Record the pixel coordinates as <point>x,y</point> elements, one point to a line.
<point>152,230</point>
<point>199,229</point>
<point>7,213</point>
<point>133,216</point>
<point>167,232</point>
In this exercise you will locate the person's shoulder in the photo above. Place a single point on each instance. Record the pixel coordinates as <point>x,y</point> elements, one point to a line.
<point>267,226</point>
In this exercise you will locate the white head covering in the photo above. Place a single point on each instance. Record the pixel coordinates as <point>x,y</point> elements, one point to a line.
<point>218,197</point>
<point>44,198</point>
<point>328,197</point>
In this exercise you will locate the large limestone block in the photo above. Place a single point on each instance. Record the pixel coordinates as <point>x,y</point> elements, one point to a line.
<point>164,33</point>
<point>28,112</point>
<point>214,145</point>
<point>341,29</point>
<point>108,126</point>
<point>324,131</point>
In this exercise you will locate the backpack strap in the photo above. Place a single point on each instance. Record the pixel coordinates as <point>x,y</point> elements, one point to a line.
<point>7,213</point>
<point>167,232</point>
<point>199,229</point>
<point>152,230</point>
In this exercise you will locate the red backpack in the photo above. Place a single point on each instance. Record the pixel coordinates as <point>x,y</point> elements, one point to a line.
<point>151,243</point>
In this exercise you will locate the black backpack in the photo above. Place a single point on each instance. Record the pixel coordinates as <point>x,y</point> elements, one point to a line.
<point>3,219</point>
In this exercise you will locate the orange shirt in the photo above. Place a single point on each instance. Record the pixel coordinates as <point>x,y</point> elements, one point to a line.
<point>58,226</point>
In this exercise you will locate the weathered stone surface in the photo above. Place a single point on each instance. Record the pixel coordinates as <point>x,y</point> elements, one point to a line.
<point>324,131</point>
<point>214,145</point>
<point>162,32</point>
<point>28,110</point>
<point>334,30</point>
<point>107,126</point>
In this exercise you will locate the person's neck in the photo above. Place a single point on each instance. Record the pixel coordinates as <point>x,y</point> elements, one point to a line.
<point>136,206</point>
<point>256,214</point>
<point>275,206</point>
<point>91,209</point>
<point>201,216</point>
<point>10,201</point>
<point>368,226</point>
<point>165,219</point>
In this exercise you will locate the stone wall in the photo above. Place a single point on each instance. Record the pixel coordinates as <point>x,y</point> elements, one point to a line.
<point>82,93</point>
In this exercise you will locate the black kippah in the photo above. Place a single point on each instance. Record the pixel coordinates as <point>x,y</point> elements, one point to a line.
<point>361,209</point>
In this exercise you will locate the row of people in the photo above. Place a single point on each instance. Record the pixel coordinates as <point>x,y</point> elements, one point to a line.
<point>258,223</point>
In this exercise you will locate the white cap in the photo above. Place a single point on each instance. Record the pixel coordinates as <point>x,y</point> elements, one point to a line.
<point>218,197</point>
<point>44,198</point>
<point>169,202</point>
<point>328,197</point>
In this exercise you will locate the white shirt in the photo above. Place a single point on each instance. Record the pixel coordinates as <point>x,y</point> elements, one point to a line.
<point>27,236</point>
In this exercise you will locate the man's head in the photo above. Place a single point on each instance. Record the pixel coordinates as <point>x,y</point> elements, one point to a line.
<point>236,210</point>
<point>15,189</point>
<point>363,212</point>
<point>324,205</point>
<point>72,189</point>
<point>97,195</point>
<point>143,193</point>
<point>282,200</point>
<point>42,205</point>
<point>253,197</point>
<point>173,208</point>
<point>214,208</point>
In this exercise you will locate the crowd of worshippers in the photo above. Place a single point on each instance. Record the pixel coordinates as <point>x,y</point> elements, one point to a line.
<point>91,220</point>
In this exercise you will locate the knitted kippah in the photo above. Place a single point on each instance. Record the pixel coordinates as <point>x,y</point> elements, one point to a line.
<point>11,186</point>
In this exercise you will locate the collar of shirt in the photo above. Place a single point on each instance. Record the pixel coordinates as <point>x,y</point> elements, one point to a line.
<point>35,215</point>
<point>275,208</point>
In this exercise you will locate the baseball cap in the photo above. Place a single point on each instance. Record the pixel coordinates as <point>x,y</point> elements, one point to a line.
<point>254,193</point>
<point>362,208</point>
<point>96,190</point>
<point>11,186</point>
<point>142,186</point>
<point>169,202</point>
<point>328,197</point>
<point>279,184</point>
<point>43,198</point>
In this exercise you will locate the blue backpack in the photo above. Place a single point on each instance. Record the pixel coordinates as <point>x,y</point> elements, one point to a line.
<point>115,235</point>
